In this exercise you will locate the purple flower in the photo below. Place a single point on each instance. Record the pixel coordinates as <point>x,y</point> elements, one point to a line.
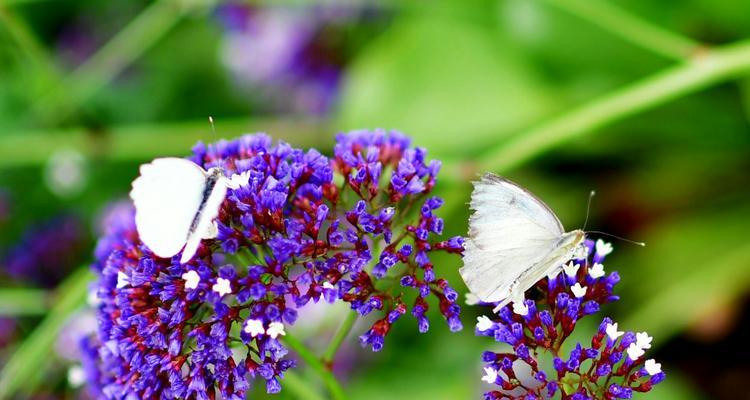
<point>537,330</point>
<point>48,251</point>
<point>287,54</point>
<point>287,237</point>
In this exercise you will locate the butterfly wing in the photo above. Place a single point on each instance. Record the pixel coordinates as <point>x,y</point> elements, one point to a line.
<point>510,232</point>
<point>167,195</point>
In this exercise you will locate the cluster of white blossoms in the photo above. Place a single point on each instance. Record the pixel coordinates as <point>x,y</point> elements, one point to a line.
<point>254,327</point>
<point>636,349</point>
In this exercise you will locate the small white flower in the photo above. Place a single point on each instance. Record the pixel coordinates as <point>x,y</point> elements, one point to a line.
<point>520,308</point>
<point>191,279</point>
<point>578,290</point>
<point>635,352</point>
<point>254,327</point>
<point>222,287</point>
<point>275,329</point>
<point>612,331</point>
<point>643,340</point>
<point>603,248</point>
<point>388,212</point>
<point>122,280</point>
<point>571,269</point>
<point>327,285</point>
<point>652,367</point>
<point>490,375</point>
<point>484,323</point>
<point>597,271</point>
<point>237,180</point>
<point>76,376</point>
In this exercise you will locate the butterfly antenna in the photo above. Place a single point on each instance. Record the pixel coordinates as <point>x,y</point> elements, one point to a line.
<point>588,209</point>
<point>642,244</point>
<point>211,121</point>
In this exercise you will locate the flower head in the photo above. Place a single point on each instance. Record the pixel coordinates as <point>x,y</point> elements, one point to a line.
<point>192,279</point>
<point>652,367</point>
<point>612,332</point>
<point>286,235</point>
<point>537,335</point>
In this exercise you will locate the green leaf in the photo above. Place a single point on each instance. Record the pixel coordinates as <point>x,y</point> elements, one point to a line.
<point>445,82</point>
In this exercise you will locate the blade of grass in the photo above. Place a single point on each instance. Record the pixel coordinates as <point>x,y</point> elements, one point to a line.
<point>146,29</point>
<point>23,302</point>
<point>632,28</point>
<point>25,367</point>
<point>29,44</point>
<point>716,66</point>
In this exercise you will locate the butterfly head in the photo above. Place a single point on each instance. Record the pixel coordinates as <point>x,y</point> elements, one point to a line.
<point>215,172</point>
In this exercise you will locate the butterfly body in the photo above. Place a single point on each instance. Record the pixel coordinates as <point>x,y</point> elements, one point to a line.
<point>176,202</point>
<point>514,241</point>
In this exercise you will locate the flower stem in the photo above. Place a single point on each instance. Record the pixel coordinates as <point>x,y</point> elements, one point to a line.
<point>338,338</point>
<point>146,141</point>
<point>632,28</point>
<point>713,67</point>
<point>23,302</point>
<point>297,385</point>
<point>315,363</point>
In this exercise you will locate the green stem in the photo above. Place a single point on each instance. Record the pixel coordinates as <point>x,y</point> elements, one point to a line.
<point>325,374</point>
<point>295,384</point>
<point>23,302</point>
<point>29,44</point>
<point>26,366</point>
<point>143,142</point>
<point>338,338</point>
<point>631,28</point>
<point>715,66</point>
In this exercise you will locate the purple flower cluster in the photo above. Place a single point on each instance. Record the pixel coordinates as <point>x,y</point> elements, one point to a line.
<point>292,56</point>
<point>302,228</point>
<point>361,157</point>
<point>48,251</point>
<point>536,331</point>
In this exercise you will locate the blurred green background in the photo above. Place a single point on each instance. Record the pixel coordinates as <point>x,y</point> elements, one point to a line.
<point>646,102</point>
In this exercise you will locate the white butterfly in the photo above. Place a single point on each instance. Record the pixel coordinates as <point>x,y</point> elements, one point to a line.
<point>514,241</point>
<point>176,202</point>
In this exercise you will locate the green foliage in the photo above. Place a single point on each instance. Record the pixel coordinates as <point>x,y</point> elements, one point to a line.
<point>444,80</point>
